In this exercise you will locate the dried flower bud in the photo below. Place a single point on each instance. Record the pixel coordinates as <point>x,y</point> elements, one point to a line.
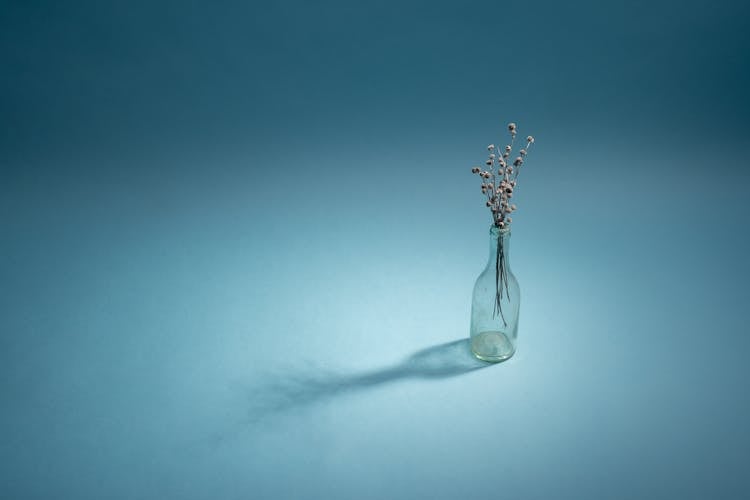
<point>513,183</point>
<point>512,127</point>
<point>508,210</point>
<point>488,162</point>
<point>490,186</point>
<point>488,203</point>
<point>501,162</point>
<point>513,207</point>
<point>509,220</point>
<point>507,149</point>
<point>492,156</point>
<point>490,147</point>
<point>501,224</point>
<point>506,154</point>
<point>518,161</point>
<point>500,171</point>
<point>523,152</point>
<point>510,170</point>
<point>530,139</point>
<point>475,170</point>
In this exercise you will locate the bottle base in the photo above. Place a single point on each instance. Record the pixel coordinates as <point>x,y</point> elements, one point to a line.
<point>492,347</point>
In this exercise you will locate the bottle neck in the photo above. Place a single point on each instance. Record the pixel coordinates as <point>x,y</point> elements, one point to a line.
<point>499,243</point>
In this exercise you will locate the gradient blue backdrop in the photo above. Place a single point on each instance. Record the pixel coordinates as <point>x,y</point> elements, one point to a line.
<point>238,242</point>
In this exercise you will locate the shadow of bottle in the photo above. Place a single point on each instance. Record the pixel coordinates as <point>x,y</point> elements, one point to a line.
<point>290,392</point>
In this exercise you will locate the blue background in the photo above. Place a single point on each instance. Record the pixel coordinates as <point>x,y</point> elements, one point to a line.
<point>238,242</point>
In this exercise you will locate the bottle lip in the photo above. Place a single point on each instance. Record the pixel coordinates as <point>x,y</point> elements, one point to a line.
<point>496,230</point>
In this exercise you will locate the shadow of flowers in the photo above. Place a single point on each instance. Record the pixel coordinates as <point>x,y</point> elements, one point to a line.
<point>290,392</point>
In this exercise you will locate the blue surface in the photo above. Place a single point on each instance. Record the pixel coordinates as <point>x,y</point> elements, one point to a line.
<point>238,244</point>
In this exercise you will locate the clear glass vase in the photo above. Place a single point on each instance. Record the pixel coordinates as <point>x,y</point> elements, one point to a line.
<point>495,303</point>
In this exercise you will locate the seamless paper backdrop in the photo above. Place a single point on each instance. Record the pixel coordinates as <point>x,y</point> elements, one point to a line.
<point>238,242</point>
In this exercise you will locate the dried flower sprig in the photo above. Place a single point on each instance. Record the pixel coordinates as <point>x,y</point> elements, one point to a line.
<point>503,177</point>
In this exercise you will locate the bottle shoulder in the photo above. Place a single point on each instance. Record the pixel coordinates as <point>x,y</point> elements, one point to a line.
<point>488,274</point>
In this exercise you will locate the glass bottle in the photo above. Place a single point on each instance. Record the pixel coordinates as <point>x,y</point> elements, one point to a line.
<point>495,303</point>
